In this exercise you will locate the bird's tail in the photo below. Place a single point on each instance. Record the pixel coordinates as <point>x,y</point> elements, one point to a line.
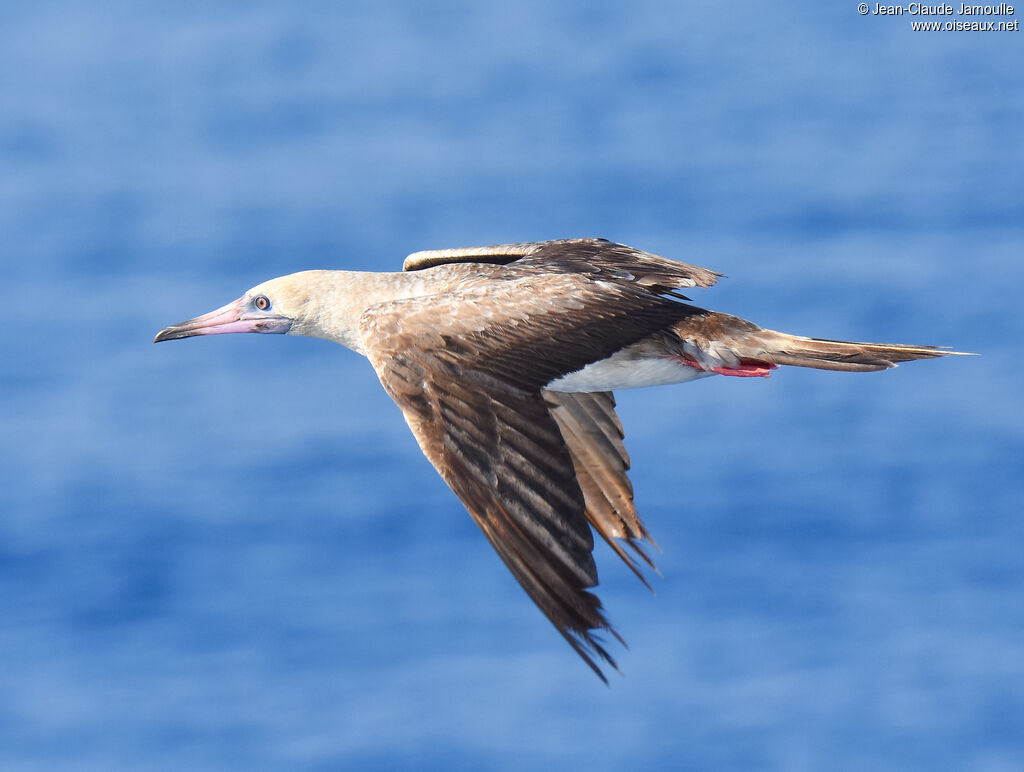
<point>732,346</point>
<point>780,348</point>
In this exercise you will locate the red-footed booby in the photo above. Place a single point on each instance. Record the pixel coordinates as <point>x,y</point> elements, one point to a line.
<point>503,360</point>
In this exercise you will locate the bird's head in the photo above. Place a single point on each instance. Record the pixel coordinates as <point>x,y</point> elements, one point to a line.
<point>276,306</point>
<point>312,303</point>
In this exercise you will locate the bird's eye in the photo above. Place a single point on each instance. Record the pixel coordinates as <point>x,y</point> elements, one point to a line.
<point>262,302</point>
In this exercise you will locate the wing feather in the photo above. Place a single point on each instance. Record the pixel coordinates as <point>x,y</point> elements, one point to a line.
<point>467,368</point>
<point>594,436</point>
<point>500,254</point>
<point>597,256</point>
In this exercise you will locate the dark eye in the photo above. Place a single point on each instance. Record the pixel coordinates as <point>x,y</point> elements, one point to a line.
<point>262,302</point>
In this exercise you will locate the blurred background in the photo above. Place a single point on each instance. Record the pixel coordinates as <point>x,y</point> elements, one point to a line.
<point>229,553</point>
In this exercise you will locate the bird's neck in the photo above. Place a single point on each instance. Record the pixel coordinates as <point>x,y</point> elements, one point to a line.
<point>337,299</point>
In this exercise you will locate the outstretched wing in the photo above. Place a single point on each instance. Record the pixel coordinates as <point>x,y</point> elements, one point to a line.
<point>467,369</point>
<point>575,255</point>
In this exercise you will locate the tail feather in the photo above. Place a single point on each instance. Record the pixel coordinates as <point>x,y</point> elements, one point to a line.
<point>783,349</point>
<point>728,344</point>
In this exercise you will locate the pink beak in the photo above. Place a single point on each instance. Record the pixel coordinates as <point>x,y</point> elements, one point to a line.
<point>239,316</point>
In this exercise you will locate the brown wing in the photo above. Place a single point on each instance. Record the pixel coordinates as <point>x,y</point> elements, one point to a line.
<point>593,433</point>
<point>467,369</point>
<point>577,256</point>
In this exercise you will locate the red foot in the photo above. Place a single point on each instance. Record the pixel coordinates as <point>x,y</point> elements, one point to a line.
<point>748,368</point>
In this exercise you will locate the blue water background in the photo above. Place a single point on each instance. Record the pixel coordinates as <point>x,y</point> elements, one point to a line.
<point>229,553</point>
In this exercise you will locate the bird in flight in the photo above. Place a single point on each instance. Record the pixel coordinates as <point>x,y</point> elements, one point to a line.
<point>503,360</point>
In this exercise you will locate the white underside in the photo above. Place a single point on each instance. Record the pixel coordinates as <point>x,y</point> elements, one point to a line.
<point>622,371</point>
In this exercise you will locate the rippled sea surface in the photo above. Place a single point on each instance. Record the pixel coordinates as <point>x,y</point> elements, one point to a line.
<point>229,553</point>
